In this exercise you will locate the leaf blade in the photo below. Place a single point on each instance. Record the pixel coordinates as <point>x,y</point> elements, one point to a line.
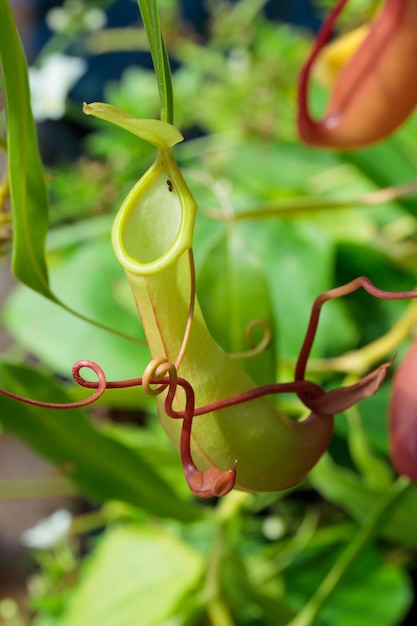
<point>27,183</point>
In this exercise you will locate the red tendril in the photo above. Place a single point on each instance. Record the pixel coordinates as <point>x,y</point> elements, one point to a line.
<point>161,375</point>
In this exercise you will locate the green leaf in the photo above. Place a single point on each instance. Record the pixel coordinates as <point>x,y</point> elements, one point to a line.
<point>150,17</point>
<point>373,593</point>
<point>387,164</point>
<point>156,132</point>
<point>101,466</point>
<point>27,182</point>
<point>299,262</point>
<point>275,171</point>
<point>136,576</point>
<point>248,597</point>
<point>374,413</point>
<point>154,447</point>
<point>347,489</point>
<point>58,338</point>
<point>235,292</point>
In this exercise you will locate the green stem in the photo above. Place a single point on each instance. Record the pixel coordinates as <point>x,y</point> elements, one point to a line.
<point>362,539</point>
<point>216,608</point>
<point>293,208</point>
<point>150,17</point>
<point>167,109</point>
<point>219,613</point>
<point>231,505</point>
<point>5,195</point>
<point>214,604</point>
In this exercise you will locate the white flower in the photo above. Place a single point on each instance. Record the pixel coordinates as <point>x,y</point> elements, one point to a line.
<point>50,84</point>
<point>48,532</point>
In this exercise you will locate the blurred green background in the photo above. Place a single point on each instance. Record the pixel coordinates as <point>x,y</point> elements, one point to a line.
<point>278,223</point>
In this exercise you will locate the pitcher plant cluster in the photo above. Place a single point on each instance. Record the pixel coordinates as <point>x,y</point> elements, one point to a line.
<point>228,432</point>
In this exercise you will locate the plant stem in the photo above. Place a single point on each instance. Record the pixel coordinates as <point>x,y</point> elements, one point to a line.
<point>293,208</point>
<point>362,539</point>
<point>219,613</point>
<point>4,194</point>
<point>217,610</point>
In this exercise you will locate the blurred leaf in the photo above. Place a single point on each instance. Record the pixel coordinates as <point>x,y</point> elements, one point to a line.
<point>101,466</point>
<point>272,171</point>
<point>372,316</point>
<point>234,292</point>
<point>135,84</point>
<point>299,263</point>
<point>157,451</point>
<point>372,593</point>
<point>387,164</point>
<point>135,576</point>
<point>94,282</point>
<point>375,470</point>
<point>374,413</point>
<point>346,489</point>
<point>249,599</point>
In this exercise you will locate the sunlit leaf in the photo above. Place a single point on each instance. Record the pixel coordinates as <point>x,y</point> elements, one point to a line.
<point>156,132</point>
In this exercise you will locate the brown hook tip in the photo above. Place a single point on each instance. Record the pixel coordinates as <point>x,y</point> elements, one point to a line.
<point>211,482</point>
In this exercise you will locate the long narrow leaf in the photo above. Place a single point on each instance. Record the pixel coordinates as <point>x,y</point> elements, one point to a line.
<point>27,183</point>
<point>150,18</point>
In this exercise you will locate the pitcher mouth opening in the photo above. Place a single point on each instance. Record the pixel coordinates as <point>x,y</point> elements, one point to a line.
<point>155,223</point>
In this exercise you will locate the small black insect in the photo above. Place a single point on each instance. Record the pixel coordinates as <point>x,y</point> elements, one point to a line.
<point>169,184</point>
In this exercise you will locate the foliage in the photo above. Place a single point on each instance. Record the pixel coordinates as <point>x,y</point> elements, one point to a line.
<point>278,223</point>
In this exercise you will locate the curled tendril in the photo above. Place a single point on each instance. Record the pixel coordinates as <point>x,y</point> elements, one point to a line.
<point>99,386</point>
<point>206,483</point>
<point>332,294</point>
<point>156,371</point>
<point>261,346</point>
<point>212,481</point>
<point>161,375</point>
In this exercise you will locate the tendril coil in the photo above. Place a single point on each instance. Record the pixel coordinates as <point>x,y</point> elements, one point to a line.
<point>161,375</point>
<point>262,345</point>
